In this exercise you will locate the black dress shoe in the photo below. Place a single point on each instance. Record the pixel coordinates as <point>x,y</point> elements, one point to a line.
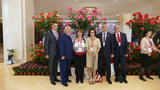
<point>148,76</point>
<point>57,80</point>
<point>142,78</point>
<point>121,81</point>
<point>125,81</point>
<point>116,80</point>
<point>69,80</point>
<point>120,78</point>
<point>53,83</point>
<point>66,85</point>
<point>77,81</point>
<point>82,81</point>
<point>109,81</point>
<point>159,76</point>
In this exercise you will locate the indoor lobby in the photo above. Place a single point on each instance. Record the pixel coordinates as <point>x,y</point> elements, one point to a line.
<point>23,28</point>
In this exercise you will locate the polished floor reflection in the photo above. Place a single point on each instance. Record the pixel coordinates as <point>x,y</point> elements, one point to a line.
<point>10,82</point>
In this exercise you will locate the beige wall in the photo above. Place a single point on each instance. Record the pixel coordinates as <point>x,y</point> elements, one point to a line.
<point>156,7</point>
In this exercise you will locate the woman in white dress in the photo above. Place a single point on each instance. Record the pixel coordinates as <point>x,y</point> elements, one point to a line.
<point>93,46</point>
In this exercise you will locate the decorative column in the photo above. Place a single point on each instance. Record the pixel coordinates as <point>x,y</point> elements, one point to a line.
<point>18,28</point>
<point>122,19</point>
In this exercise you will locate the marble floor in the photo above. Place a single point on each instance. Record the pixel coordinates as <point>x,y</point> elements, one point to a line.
<point>10,82</point>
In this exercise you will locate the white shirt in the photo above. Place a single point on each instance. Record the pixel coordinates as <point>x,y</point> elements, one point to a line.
<point>55,33</point>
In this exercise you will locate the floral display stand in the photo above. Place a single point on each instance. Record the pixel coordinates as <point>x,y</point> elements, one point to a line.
<point>39,64</point>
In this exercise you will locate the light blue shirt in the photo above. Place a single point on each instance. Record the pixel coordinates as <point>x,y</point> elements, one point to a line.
<point>54,32</point>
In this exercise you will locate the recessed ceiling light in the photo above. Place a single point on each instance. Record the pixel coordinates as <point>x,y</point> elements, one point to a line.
<point>118,15</point>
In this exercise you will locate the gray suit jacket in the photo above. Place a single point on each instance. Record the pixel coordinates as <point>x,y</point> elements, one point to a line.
<point>50,44</point>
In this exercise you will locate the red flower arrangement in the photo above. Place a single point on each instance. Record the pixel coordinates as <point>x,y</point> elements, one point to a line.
<point>134,53</point>
<point>143,22</point>
<point>38,53</point>
<point>44,21</point>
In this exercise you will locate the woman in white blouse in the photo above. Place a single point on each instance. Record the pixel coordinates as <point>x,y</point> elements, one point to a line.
<point>147,47</point>
<point>80,55</point>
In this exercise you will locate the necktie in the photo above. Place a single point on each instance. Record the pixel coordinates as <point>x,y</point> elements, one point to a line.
<point>56,34</point>
<point>103,37</point>
<point>118,38</point>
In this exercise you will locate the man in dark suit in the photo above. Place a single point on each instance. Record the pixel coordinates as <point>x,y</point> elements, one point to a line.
<point>156,40</point>
<point>66,54</point>
<point>51,51</point>
<point>120,52</point>
<point>106,52</point>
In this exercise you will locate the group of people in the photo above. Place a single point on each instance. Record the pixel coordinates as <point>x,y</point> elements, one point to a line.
<point>92,53</point>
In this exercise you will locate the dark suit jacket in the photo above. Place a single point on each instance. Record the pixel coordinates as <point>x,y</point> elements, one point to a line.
<point>50,44</point>
<point>123,49</point>
<point>65,46</point>
<point>156,38</point>
<point>109,45</point>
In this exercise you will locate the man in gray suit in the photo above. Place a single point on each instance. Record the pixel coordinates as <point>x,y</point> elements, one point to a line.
<point>51,52</point>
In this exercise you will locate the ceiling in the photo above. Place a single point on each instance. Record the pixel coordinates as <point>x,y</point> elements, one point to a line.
<point>109,7</point>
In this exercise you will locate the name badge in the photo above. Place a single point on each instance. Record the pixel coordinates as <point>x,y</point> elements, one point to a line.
<point>103,44</point>
<point>149,49</point>
<point>91,49</point>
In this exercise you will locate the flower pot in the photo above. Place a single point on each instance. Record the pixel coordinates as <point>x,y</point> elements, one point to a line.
<point>25,73</point>
<point>129,73</point>
<point>133,73</point>
<point>16,73</point>
<point>153,73</point>
<point>138,73</point>
<point>29,73</point>
<point>33,73</point>
<point>38,73</point>
<point>42,73</point>
<point>47,73</point>
<point>20,73</point>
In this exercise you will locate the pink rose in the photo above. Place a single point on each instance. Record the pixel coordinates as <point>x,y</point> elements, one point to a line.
<point>86,10</point>
<point>92,13</point>
<point>99,12</point>
<point>80,17</point>
<point>142,28</point>
<point>97,16</point>
<point>105,19</point>
<point>92,24</point>
<point>67,23</point>
<point>40,42</point>
<point>89,17</point>
<point>69,9</point>
<point>42,50</point>
<point>76,12</point>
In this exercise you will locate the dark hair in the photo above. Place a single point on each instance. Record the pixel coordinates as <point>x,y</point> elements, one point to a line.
<point>79,30</point>
<point>90,31</point>
<point>55,23</point>
<point>145,32</point>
